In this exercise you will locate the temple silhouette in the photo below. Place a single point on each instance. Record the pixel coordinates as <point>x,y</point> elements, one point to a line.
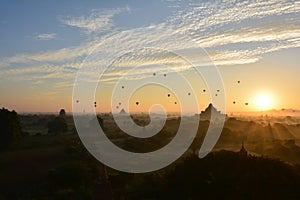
<point>209,111</point>
<point>123,112</point>
<point>243,152</point>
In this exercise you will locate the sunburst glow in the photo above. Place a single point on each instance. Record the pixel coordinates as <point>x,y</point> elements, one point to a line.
<point>264,101</point>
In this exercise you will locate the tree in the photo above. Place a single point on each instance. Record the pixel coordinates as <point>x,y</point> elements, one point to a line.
<point>10,128</point>
<point>57,125</point>
<point>62,113</point>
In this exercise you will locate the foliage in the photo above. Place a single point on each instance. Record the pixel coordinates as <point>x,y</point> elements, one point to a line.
<point>10,128</point>
<point>220,175</point>
<point>57,125</point>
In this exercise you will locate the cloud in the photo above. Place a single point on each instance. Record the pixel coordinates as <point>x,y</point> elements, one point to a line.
<point>98,21</point>
<point>201,18</point>
<point>70,54</point>
<point>232,32</point>
<point>250,35</point>
<point>46,36</point>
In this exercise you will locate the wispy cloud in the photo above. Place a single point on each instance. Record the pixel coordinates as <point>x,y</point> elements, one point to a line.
<point>233,32</point>
<point>46,36</point>
<point>97,21</point>
<point>70,54</point>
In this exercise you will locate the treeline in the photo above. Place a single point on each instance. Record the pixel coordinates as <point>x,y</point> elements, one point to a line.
<point>220,175</point>
<point>10,128</point>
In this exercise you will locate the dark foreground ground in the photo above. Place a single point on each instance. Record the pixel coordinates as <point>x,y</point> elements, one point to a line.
<point>57,166</point>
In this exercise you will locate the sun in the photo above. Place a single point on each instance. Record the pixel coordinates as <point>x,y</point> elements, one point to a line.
<point>263,101</point>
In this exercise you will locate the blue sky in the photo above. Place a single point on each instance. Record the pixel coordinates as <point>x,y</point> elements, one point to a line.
<point>22,22</point>
<point>43,44</point>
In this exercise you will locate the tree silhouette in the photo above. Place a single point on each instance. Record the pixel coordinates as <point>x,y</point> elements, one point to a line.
<point>10,128</point>
<point>220,175</point>
<point>57,125</point>
<point>62,113</point>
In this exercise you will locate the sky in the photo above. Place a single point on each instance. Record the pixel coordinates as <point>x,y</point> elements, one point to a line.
<point>254,45</point>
